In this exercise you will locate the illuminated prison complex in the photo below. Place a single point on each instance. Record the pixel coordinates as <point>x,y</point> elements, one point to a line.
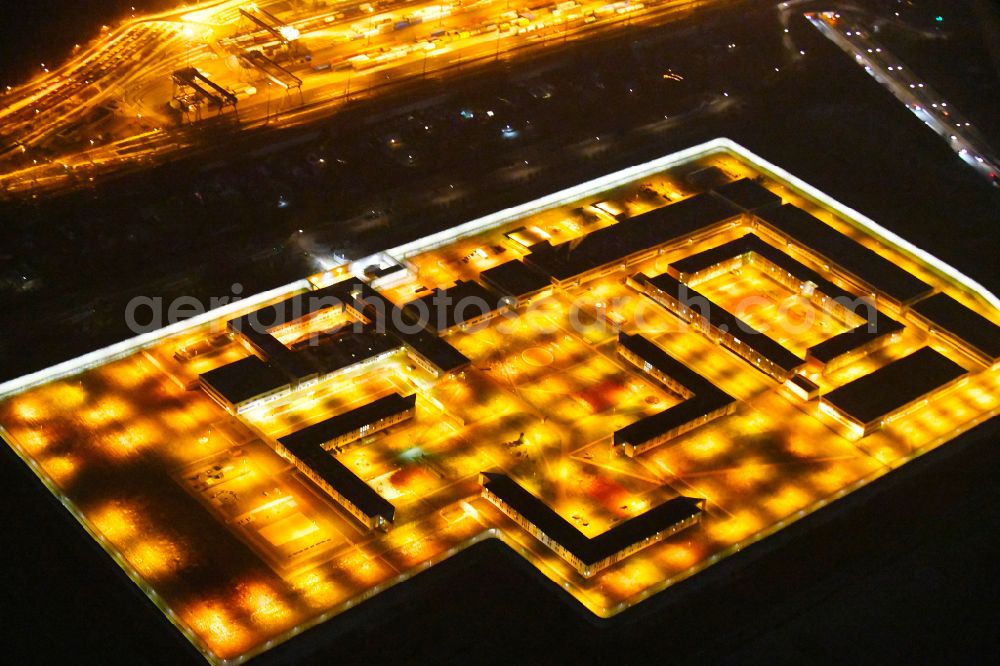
<point>375,327</point>
<point>447,390</point>
<point>589,555</point>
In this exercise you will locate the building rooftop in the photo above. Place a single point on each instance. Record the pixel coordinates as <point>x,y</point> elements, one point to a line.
<point>348,484</point>
<point>341,350</point>
<point>653,426</point>
<point>244,379</point>
<point>726,322</point>
<point>804,383</point>
<point>299,443</point>
<point>385,315</point>
<point>667,364</point>
<point>587,550</point>
<point>696,263</point>
<point>706,396</point>
<point>844,342</point>
<point>947,314</point>
<point>748,195</point>
<point>895,385</point>
<point>443,309</point>
<point>290,309</point>
<point>615,243</point>
<point>869,266</point>
<point>825,351</point>
<point>515,278</point>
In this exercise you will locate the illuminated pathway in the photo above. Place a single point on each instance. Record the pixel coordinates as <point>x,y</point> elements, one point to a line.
<point>242,493</point>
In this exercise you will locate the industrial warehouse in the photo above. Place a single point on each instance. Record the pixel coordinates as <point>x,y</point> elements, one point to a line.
<point>623,402</point>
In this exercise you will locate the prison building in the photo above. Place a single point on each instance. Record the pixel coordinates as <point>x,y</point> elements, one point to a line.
<point>847,347</point>
<point>320,356</point>
<point>355,424</point>
<point>846,257</point>
<point>630,241</point>
<point>783,269</point>
<point>719,325</point>
<point>461,306</point>
<point>967,329</point>
<point>748,195</point>
<point>877,331</point>
<point>309,450</point>
<point>703,401</point>
<point>245,384</point>
<point>423,346</point>
<point>588,555</point>
<point>751,250</point>
<point>251,382</point>
<point>866,404</point>
<point>256,328</point>
<point>517,280</point>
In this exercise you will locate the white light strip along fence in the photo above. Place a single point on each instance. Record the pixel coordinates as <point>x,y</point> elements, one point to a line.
<point>886,236</point>
<point>487,222</point>
<point>132,345</point>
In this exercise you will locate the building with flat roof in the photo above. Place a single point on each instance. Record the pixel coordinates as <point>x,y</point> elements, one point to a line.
<point>877,331</point>
<point>465,304</point>
<point>871,271</point>
<point>866,404</point>
<point>803,387</point>
<point>969,330</point>
<point>748,195</point>
<point>346,488</point>
<point>322,354</point>
<point>338,430</point>
<point>384,329</point>
<point>719,325</point>
<point>851,345</point>
<point>245,384</point>
<point>703,401</point>
<point>517,280</point>
<point>309,450</point>
<point>426,349</point>
<point>588,555</point>
<point>632,240</point>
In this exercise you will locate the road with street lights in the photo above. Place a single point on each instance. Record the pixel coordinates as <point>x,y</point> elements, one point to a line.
<point>853,38</point>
